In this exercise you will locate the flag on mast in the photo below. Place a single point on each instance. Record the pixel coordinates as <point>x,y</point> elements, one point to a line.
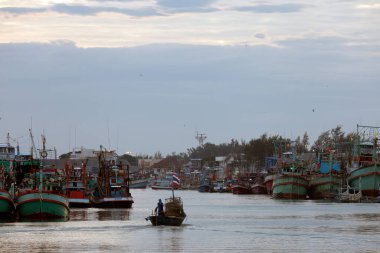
<point>176,180</point>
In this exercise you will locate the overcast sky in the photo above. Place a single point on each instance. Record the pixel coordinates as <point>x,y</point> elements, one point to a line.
<point>143,76</point>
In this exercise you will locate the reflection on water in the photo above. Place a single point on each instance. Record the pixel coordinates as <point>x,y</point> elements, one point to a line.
<point>215,223</point>
<point>329,217</point>
<point>78,214</point>
<point>99,214</point>
<point>369,229</point>
<point>367,216</point>
<point>113,214</point>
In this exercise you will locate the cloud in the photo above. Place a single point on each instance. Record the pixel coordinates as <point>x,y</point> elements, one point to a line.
<point>22,10</point>
<point>110,1</point>
<point>259,85</point>
<point>87,10</point>
<point>83,10</point>
<point>169,6</point>
<point>260,36</point>
<point>186,5</point>
<point>272,8</point>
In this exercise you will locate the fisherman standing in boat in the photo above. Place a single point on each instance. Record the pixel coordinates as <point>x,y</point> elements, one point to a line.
<point>160,208</point>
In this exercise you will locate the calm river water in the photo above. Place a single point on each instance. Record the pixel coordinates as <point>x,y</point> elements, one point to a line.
<point>216,222</point>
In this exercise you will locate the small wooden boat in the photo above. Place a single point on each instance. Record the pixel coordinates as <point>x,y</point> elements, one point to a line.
<point>173,214</point>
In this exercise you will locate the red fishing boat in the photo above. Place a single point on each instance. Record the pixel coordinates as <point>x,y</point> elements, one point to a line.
<point>112,189</point>
<point>76,188</point>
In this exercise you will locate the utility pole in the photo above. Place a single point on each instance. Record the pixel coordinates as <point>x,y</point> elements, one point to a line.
<point>200,138</point>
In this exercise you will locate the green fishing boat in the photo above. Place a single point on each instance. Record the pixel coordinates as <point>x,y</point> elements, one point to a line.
<point>328,179</point>
<point>42,205</point>
<point>7,207</point>
<point>290,184</point>
<point>7,154</point>
<point>367,179</point>
<point>365,172</point>
<point>40,194</point>
<point>324,186</point>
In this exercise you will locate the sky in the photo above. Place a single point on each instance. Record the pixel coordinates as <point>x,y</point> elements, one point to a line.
<point>144,76</point>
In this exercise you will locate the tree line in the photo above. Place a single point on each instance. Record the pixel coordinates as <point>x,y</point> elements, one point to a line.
<point>256,150</point>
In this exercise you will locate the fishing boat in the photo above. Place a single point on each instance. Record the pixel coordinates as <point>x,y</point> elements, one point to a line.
<point>367,178</point>
<point>164,183</point>
<point>324,186</point>
<point>257,184</point>
<point>290,183</point>
<point>112,187</point>
<point>139,183</point>
<point>271,169</point>
<point>7,155</point>
<point>40,194</point>
<point>172,214</point>
<point>76,188</point>
<point>258,188</point>
<point>205,185</point>
<point>7,207</point>
<point>268,183</point>
<point>220,185</point>
<point>365,172</point>
<point>242,185</point>
<point>240,188</point>
<point>325,183</point>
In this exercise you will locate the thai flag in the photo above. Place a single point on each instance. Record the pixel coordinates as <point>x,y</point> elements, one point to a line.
<point>176,180</point>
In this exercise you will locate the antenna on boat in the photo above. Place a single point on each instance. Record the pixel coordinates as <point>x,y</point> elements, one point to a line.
<point>33,148</point>
<point>108,135</point>
<point>9,139</point>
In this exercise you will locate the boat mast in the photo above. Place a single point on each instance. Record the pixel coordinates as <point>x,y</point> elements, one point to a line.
<point>33,148</point>
<point>43,154</point>
<point>370,134</point>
